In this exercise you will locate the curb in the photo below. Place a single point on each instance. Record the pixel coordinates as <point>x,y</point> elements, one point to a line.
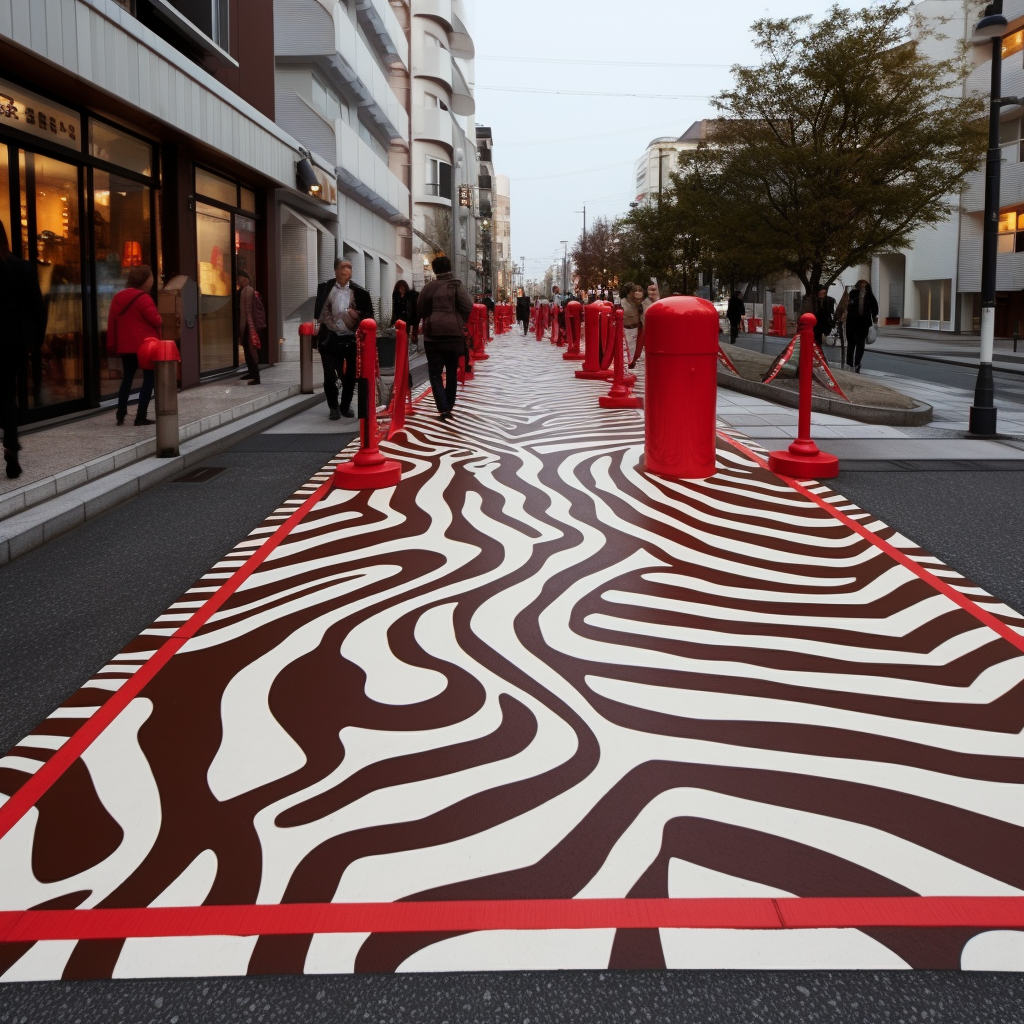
<point>919,416</point>
<point>25,531</point>
<point>31,495</point>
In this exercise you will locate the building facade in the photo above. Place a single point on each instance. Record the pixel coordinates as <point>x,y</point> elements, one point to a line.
<point>342,90</point>
<point>654,170</point>
<point>503,266</point>
<point>134,132</point>
<point>443,168</point>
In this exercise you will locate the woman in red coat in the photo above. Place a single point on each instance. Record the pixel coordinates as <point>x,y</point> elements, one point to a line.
<point>133,318</point>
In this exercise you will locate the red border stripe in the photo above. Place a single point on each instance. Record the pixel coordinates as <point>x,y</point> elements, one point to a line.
<point>981,614</point>
<point>490,915</point>
<point>26,797</point>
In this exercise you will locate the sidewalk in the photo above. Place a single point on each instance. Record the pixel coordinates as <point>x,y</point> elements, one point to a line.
<point>941,346</point>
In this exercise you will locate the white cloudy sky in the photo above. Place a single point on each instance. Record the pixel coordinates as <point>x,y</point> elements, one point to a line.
<point>562,151</point>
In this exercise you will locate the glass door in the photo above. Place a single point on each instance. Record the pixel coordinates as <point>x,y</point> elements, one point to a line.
<point>216,289</point>
<point>51,220</point>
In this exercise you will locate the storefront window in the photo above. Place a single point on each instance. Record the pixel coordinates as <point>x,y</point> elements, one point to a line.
<point>5,195</point>
<point>245,254</point>
<point>248,200</point>
<point>118,147</point>
<point>121,226</point>
<point>215,187</point>
<point>216,319</point>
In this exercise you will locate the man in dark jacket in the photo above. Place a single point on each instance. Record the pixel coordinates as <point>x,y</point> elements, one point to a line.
<point>523,312</point>
<point>735,312</point>
<point>340,307</point>
<point>444,308</point>
<point>22,327</point>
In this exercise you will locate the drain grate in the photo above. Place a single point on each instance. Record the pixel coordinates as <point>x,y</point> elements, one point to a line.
<point>200,475</point>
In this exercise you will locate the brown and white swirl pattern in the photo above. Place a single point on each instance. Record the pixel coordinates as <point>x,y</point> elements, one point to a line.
<point>531,671</point>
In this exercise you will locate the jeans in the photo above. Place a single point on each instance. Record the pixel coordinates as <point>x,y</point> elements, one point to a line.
<point>11,357</point>
<point>252,358</point>
<point>446,388</point>
<point>338,356</point>
<point>129,364</point>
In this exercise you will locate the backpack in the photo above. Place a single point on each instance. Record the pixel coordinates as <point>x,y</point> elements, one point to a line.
<point>259,313</point>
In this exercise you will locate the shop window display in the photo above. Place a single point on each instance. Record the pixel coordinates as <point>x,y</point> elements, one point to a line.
<point>216,308</point>
<point>121,240</point>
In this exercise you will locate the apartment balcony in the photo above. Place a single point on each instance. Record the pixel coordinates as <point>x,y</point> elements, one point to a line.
<point>433,62</point>
<point>431,124</point>
<point>378,19</point>
<point>439,10</point>
<point>363,175</point>
<point>484,182</point>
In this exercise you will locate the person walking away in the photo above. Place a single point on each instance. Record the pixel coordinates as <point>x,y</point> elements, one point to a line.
<point>841,310</point>
<point>444,307</point>
<point>824,315</point>
<point>523,312</point>
<point>252,319</point>
<point>22,325</point>
<point>861,316</point>
<point>632,318</point>
<point>340,307</point>
<point>403,307</point>
<point>132,319</point>
<point>734,313</point>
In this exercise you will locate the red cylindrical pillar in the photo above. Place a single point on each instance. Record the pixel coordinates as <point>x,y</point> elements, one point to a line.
<point>573,330</point>
<point>592,343</point>
<point>681,339</point>
<point>478,331</point>
<point>368,470</point>
<point>538,322</point>
<point>803,459</point>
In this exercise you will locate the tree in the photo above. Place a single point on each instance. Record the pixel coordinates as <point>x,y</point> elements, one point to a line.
<point>844,140</point>
<point>595,256</point>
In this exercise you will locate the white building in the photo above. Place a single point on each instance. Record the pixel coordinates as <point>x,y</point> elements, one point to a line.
<point>443,139</point>
<point>502,235</point>
<point>342,83</point>
<point>661,159</point>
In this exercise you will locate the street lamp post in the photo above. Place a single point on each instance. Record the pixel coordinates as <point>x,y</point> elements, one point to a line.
<point>989,32</point>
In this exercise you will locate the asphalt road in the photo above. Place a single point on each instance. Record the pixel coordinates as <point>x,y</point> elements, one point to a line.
<point>69,606</point>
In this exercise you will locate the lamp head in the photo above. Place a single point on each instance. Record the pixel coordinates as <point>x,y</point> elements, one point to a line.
<point>991,27</point>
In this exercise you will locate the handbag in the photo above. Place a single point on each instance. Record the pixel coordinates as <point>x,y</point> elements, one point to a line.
<point>872,335</point>
<point>254,337</point>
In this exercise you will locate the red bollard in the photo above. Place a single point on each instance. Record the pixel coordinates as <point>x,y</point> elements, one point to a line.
<point>368,470</point>
<point>592,348</point>
<point>538,322</point>
<point>682,388</point>
<point>556,327</point>
<point>803,459</point>
<point>573,330</point>
<point>620,396</point>
<point>478,331</point>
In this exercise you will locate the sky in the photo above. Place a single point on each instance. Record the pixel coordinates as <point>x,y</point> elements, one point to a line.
<point>564,151</point>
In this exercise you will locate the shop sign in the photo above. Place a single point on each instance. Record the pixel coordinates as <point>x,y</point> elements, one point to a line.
<point>26,112</point>
<point>465,195</point>
<point>328,186</point>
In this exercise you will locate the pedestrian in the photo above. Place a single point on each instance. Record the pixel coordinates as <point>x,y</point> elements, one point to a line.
<point>22,327</point>
<point>403,307</point>
<point>653,295</point>
<point>444,307</point>
<point>132,319</point>
<point>523,312</point>
<point>824,315</point>
<point>340,307</point>
<point>861,317</point>
<point>252,318</point>
<point>734,313</point>
<point>841,309</point>
<point>632,319</point>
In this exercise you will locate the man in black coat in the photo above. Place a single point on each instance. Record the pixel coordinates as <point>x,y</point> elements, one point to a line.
<point>340,307</point>
<point>735,312</point>
<point>523,312</point>
<point>22,327</point>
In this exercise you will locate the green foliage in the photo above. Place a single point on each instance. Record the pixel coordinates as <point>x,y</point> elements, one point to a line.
<point>844,140</point>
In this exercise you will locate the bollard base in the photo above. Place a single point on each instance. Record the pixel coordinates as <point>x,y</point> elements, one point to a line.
<point>480,356</point>
<point>694,470</point>
<point>594,374</point>
<point>576,356</point>
<point>819,466</point>
<point>620,402</point>
<point>350,477</point>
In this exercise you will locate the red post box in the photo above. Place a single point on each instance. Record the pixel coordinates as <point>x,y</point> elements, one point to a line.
<point>681,341</point>
<point>368,470</point>
<point>592,353</point>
